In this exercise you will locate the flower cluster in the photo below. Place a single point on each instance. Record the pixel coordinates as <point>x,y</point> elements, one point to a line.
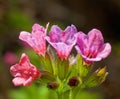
<point>60,67</point>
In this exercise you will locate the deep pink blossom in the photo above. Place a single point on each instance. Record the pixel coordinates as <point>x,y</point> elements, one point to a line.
<point>36,39</point>
<point>62,40</point>
<point>92,47</point>
<point>24,72</point>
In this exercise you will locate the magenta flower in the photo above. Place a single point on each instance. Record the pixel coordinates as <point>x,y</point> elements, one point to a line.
<point>62,40</point>
<point>92,47</point>
<point>36,39</point>
<point>24,72</point>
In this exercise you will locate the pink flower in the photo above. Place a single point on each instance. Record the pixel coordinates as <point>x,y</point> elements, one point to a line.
<point>10,58</point>
<point>24,72</point>
<point>92,47</point>
<point>36,39</point>
<point>62,40</point>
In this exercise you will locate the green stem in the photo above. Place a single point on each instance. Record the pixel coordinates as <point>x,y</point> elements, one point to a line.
<point>60,95</point>
<point>71,94</point>
<point>60,89</point>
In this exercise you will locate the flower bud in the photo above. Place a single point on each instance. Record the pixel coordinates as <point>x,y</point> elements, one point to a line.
<point>96,78</point>
<point>53,85</point>
<point>74,81</point>
<point>101,74</point>
<point>101,71</point>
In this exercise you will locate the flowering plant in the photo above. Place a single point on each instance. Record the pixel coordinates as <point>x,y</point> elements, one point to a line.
<point>62,70</point>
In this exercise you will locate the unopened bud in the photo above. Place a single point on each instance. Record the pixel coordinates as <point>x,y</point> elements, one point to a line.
<point>74,81</point>
<point>52,85</point>
<point>101,74</point>
<point>96,78</point>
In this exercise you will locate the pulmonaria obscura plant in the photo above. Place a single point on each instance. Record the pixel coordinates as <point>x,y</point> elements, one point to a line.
<point>62,70</point>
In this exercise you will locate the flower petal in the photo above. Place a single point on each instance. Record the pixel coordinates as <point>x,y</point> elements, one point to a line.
<point>37,27</point>
<point>14,70</point>
<point>24,72</point>
<point>28,81</point>
<point>71,29</point>
<point>95,38</point>
<point>78,50</point>
<point>62,40</point>
<point>36,39</point>
<point>91,59</point>
<point>91,47</point>
<point>55,33</point>
<point>69,34</point>
<point>62,49</point>
<point>24,60</point>
<point>82,42</point>
<point>18,81</point>
<point>105,52</point>
<point>38,32</point>
<point>27,37</point>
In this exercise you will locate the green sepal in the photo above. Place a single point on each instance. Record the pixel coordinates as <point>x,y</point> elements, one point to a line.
<point>53,57</point>
<point>82,67</point>
<point>47,77</point>
<point>73,72</point>
<point>46,63</point>
<point>62,68</point>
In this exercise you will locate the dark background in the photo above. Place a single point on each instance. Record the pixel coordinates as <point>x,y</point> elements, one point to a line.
<point>18,15</point>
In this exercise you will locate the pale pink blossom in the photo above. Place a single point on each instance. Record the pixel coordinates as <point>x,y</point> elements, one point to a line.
<point>92,47</point>
<point>24,72</point>
<point>36,39</point>
<point>62,40</point>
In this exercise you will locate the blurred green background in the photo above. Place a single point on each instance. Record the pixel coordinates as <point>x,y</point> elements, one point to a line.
<point>19,15</point>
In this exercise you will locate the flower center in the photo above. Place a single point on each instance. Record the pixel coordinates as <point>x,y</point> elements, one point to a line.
<point>91,53</point>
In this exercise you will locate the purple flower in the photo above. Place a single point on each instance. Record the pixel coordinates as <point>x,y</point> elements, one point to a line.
<point>92,47</point>
<point>62,40</point>
<point>36,39</point>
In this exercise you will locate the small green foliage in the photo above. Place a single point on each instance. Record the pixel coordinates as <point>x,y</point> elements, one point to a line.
<point>46,63</point>
<point>96,78</point>
<point>82,67</point>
